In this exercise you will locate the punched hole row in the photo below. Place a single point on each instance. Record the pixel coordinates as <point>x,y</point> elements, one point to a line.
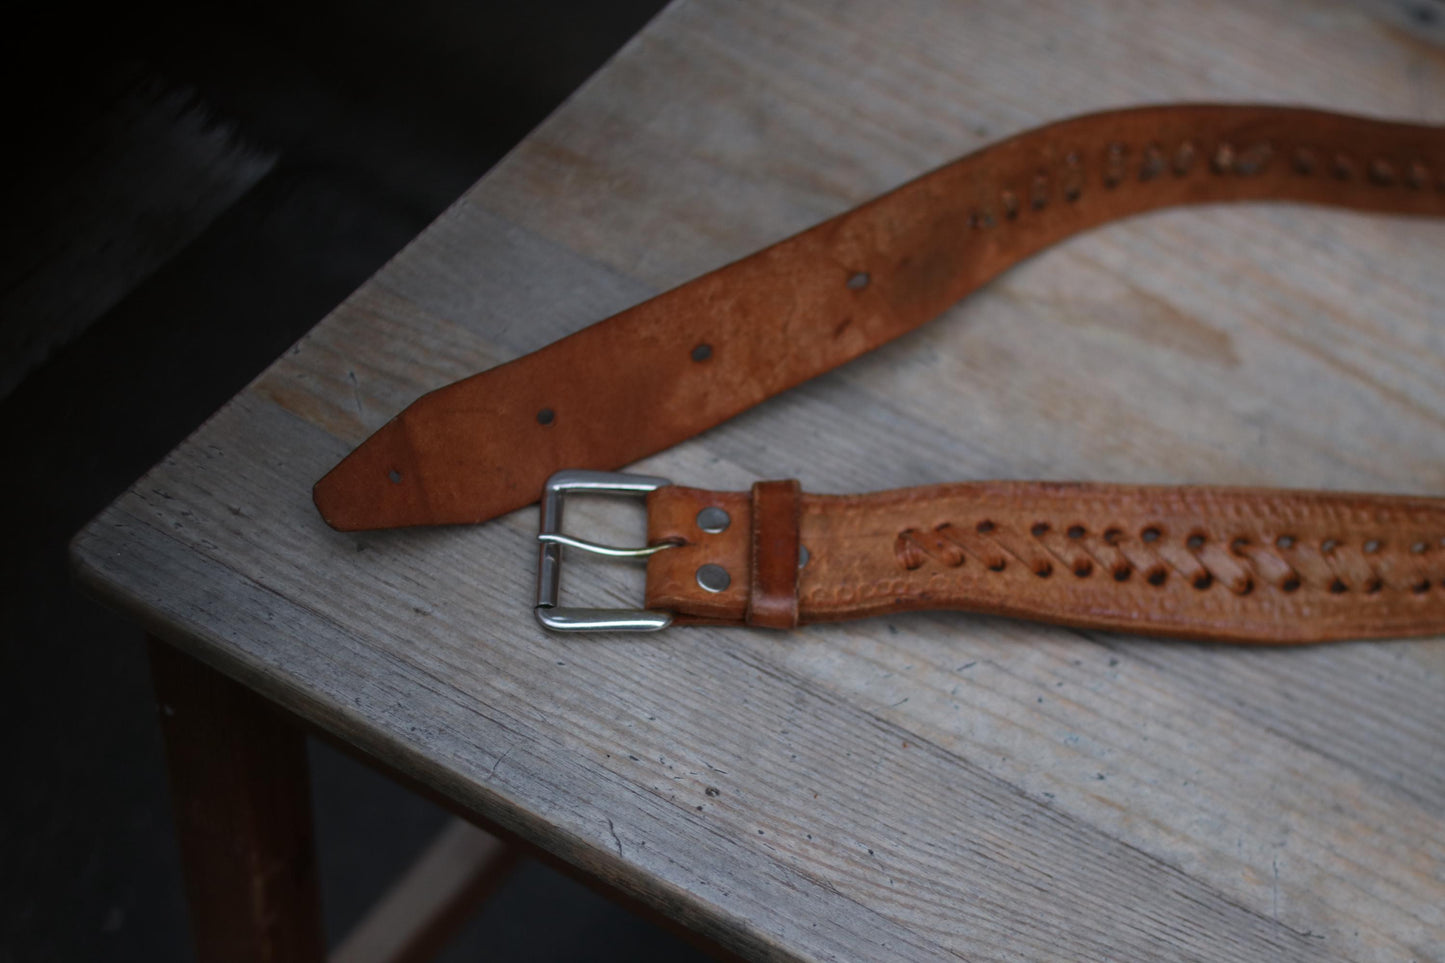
<point>913,548</point>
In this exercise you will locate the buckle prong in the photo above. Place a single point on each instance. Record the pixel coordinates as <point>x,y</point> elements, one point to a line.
<point>597,548</point>
<point>549,556</point>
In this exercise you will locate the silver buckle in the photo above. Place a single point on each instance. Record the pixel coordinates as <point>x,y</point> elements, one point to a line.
<point>549,555</point>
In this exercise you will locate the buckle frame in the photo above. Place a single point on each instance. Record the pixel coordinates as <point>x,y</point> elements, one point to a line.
<point>551,539</point>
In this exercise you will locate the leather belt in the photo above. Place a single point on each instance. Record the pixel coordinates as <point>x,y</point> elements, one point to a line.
<point>1204,563</point>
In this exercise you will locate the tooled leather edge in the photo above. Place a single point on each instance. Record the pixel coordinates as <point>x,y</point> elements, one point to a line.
<point>773,588</point>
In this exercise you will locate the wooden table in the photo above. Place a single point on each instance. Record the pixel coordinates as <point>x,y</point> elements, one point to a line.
<point>904,788</point>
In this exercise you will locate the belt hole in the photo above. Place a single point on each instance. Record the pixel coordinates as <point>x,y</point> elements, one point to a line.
<point>1039,191</point>
<point>1184,158</point>
<point>1114,165</point>
<point>1343,168</point>
<point>1285,541</point>
<point>1150,534</point>
<point>1223,160</point>
<point>1305,161</point>
<point>858,280</point>
<point>1254,159</point>
<point>1153,163</point>
<point>1073,178</point>
<point>1381,172</point>
<point>701,353</point>
<point>1291,584</point>
<point>546,416</point>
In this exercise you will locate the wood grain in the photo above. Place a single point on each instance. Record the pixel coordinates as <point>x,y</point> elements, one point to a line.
<point>931,785</point>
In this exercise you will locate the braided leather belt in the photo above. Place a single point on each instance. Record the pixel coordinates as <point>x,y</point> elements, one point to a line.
<point>1209,563</point>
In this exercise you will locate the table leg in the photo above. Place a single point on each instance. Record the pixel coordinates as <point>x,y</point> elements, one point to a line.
<point>242,800</point>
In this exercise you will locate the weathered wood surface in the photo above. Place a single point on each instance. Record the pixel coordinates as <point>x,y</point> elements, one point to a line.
<point>922,786</point>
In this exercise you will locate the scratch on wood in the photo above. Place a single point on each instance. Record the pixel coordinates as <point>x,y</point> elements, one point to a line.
<point>500,759</point>
<point>613,830</point>
<point>356,393</point>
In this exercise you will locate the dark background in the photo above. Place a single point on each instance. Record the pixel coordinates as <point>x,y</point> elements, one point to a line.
<point>372,118</point>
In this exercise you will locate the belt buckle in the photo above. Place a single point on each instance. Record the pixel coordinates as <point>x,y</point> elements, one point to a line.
<point>549,555</point>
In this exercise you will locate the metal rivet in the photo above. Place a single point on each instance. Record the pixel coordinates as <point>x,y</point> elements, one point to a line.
<point>702,352</point>
<point>713,520</point>
<point>546,416</point>
<point>713,578</point>
<point>803,555</point>
<point>858,281</point>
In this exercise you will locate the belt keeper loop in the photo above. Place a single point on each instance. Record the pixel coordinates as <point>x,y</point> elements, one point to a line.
<point>773,580</point>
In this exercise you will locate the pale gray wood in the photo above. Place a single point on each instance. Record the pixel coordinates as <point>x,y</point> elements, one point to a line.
<point>905,788</point>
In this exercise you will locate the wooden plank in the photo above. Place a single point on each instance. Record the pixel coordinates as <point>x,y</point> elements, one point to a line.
<point>910,788</point>
<point>242,799</point>
<point>431,901</point>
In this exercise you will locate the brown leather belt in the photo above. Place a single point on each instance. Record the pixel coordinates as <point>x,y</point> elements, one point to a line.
<point>1203,563</point>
